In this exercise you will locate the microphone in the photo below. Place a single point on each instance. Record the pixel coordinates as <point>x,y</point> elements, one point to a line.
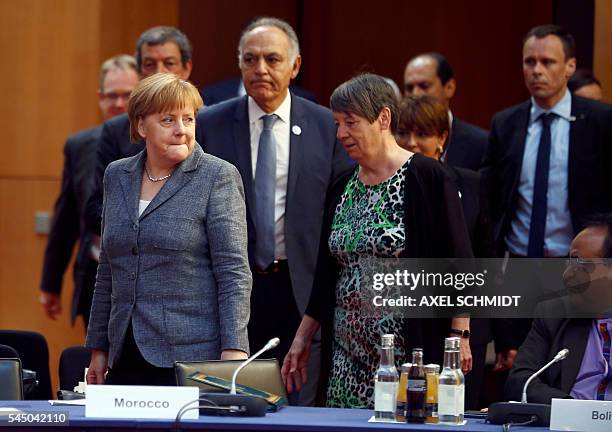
<point>272,343</point>
<point>528,413</point>
<point>238,404</point>
<point>561,355</point>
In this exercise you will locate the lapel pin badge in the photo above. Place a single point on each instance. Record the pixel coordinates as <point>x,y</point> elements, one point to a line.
<point>296,130</point>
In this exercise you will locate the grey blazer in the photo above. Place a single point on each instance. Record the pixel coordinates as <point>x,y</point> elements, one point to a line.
<point>180,271</point>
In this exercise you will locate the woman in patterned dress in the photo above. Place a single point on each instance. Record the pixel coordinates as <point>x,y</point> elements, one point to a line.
<point>395,204</point>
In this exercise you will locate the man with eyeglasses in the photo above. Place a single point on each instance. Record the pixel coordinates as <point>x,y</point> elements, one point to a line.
<point>118,77</point>
<point>580,322</point>
<point>159,49</point>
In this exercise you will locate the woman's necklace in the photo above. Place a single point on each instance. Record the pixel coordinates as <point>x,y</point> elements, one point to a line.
<point>155,179</point>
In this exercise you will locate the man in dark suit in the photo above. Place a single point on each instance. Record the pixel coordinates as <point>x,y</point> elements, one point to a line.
<point>547,165</point>
<point>118,77</point>
<point>432,74</point>
<point>159,49</point>
<point>285,149</point>
<point>580,322</point>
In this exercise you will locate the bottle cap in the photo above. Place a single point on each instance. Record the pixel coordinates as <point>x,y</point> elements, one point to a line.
<point>388,340</point>
<point>406,367</point>
<point>452,343</point>
<point>431,368</point>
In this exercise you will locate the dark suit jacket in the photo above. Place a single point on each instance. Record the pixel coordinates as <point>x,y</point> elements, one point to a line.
<point>475,209</point>
<point>315,160</point>
<point>68,225</point>
<point>228,89</point>
<point>467,145</point>
<point>590,156</point>
<point>114,143</point>
<point>546,338</point>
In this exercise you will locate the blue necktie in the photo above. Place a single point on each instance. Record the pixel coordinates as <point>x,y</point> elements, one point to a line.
<point>539,205</point>
<point>265,189</point>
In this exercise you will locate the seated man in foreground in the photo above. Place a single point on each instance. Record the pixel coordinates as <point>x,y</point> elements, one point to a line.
<point>586,373</point>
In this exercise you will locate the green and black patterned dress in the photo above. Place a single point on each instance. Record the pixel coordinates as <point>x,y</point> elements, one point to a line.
<point>368,222</point>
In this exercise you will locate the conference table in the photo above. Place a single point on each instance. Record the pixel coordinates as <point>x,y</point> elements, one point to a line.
<point>299,419</point>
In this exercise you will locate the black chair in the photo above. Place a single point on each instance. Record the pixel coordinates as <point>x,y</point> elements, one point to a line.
<point>72,364</point>
<point>11,385</point>
<point>8,352</point>
<point>34,355</point>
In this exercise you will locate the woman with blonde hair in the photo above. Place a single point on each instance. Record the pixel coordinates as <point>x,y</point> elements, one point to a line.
<point>173,281</point>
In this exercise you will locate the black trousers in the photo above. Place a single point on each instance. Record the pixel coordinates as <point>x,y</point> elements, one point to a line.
<point>274,312</point>
<point>133,369</point>
<point>475,379</point>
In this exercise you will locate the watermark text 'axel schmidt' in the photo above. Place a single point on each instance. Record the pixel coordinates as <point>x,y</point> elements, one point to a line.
<point>448,301</point>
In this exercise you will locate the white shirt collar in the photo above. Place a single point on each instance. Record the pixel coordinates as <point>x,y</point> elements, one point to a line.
<point>563,108</point>
<point>283,111</point>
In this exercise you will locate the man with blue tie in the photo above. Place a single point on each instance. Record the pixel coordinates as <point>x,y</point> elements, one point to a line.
<point>285,149</point>
<point>547,164</point>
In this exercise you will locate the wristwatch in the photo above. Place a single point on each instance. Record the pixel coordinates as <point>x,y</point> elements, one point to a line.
<point>462,333</point>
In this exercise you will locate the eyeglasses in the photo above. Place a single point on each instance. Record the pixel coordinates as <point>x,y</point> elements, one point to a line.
<point>587,264</point>
<point>113,97</point>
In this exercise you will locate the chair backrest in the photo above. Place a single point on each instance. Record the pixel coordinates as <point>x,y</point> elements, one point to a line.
<point>34,355</point>
<point>11,384</point>
<point>261,374</point>
<point>72,364</point>
<point>8,352</point>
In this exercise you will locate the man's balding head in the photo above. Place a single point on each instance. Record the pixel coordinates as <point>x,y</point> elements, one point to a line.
<point>430,74</point>
<point>588,276</point>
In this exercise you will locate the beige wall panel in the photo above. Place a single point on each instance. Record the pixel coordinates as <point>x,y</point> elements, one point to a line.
<point>602,50</point>
<point>49,89</point>
<point>122,22</point>
<point>20,268</point>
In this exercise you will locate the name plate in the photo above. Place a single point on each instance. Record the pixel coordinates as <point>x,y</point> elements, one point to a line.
<point>581,415</point>
<point>143,402</point>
